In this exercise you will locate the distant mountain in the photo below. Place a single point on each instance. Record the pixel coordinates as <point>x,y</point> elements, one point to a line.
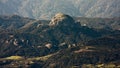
<point>45,9</point>
<point>8,7</point>
<point>100,23</point>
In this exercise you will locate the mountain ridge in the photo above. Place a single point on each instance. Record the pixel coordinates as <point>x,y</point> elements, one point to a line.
<point>62,42</point>
<point>41,9</point>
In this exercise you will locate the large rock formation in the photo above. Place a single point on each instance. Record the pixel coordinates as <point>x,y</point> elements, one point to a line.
<point>61,19</point>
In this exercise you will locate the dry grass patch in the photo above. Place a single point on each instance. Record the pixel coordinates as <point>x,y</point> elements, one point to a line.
<point>14,58</point>
<point>43,58</point>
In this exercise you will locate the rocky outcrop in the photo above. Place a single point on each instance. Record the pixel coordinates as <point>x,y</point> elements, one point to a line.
<point>61,19</point>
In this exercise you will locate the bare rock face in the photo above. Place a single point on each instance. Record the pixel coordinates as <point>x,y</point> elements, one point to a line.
<point>61,19</point>
<point>48,45</point>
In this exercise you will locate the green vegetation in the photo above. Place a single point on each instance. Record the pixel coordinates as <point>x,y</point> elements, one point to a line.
<point>67,44</point>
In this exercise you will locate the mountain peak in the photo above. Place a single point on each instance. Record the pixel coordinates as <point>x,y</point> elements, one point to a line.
<point>61,19</point>
<point>61,15</point>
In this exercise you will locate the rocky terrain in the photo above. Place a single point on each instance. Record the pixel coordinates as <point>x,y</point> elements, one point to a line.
<point>62,42</point>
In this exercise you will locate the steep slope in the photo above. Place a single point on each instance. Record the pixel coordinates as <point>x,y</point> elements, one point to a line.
<point>96,53</point>
<point>13,22</point>
<point>68,43</point>
<point>106,8</point>
<point>45,9</point>
<point>9,7</point>
<point>62,32</point>
<point>23,44</point>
